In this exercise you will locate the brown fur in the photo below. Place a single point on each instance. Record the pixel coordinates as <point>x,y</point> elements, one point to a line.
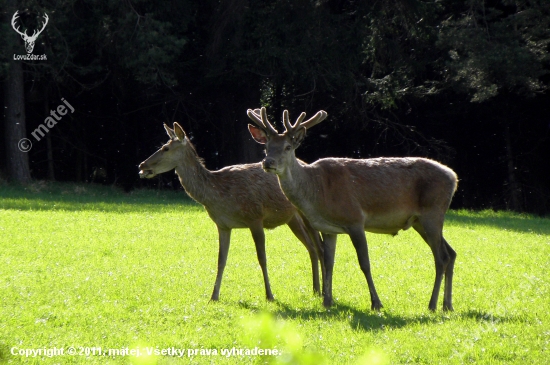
<point>380,195</point>
<point>240,196</point>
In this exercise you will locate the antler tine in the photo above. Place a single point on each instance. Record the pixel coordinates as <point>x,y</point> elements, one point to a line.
<point>292,127</point>
<point>255,117</point>
<point>299,120</point>
<point>269,127</point>
<point>261,121</point>
<point>46,18</point>
<point>13,20</point>
<point>286,122</point>
<point>316,119</point>
<point>257,114</point>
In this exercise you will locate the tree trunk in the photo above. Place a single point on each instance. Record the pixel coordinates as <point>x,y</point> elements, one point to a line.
<point>514,191</point>
<point>235,145</point>
<point>17,161</point>
<point>78,166</point>
<point>49,148</point>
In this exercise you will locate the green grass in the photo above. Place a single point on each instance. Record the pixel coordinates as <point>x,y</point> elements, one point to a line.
<point>90,267</point>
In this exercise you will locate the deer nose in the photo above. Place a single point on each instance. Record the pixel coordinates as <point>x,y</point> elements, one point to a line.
<point>268,163</point>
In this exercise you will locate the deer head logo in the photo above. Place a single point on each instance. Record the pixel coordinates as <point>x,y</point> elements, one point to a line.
<point>29,41</point>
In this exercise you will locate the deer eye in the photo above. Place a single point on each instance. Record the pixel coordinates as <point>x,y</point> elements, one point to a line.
<point>165,149</point>
<point>287,148</point>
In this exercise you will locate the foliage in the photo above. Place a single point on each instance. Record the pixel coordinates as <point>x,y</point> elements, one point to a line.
<point>478,48</point>
<point>397,78</point>
<point>148,38</point>
<point>497,49</point>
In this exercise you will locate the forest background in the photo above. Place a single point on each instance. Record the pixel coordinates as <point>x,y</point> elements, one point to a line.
<point>462,82</point>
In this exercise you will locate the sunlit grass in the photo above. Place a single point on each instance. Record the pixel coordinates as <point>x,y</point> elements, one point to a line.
<point>93,267</point>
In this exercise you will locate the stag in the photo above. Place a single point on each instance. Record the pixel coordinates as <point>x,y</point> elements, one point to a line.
<point>240,196</point>
<point>29,41</point>
<point>351,196</point>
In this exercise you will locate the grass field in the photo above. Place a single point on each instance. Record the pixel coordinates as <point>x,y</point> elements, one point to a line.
<point>84,268</point>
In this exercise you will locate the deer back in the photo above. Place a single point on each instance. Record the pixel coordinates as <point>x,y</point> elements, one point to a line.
<point>245,192</point>
<point>381,193</point>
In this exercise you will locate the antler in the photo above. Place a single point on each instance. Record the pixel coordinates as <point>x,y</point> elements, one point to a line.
<point>259,116</point>
<point>46,18</point>
<point>35,34</point>
<point>292,127</point>
<point>13,19</point>
<point>316,119</point>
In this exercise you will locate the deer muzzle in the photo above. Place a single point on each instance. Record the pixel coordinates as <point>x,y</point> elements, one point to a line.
<point>144,172</point>
<point>269,164</point>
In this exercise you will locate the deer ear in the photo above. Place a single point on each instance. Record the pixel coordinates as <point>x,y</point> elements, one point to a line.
<point>297,137</point>
<point>178,130</point>
<point>170,132</point>
<point>258,135</point>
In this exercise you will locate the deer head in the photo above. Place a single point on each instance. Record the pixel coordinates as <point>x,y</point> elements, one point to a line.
<point>168,156</point>
<point>29,41</point>
<point>280,147</point>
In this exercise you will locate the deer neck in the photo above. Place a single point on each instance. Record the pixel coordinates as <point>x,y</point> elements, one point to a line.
<point>296,182</point>
<point>194,176</point>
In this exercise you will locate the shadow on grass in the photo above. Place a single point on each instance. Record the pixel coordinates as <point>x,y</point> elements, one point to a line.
<point>5,353</point>
<point>486,317</point>
<point>502,220</point>
<point>368,320</point>
<point>43,196</point>
<point>358,319</point>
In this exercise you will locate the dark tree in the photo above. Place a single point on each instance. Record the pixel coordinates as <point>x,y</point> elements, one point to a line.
<point>463,82</point>
<point>17,161</point>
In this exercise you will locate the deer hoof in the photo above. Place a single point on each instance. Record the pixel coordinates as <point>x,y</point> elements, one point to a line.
<point>214,298</point>
<point>448,307</point>
<point>376,306</point>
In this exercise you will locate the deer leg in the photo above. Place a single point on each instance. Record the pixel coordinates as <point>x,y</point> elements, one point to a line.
<point>297,226</point>
<point>224,239</point>
<point>259,240</point>
<point>318,244</point>
<point>432,234</point>
<point>448,292</point>
<point>359,241</point>
<point>329,250</point>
